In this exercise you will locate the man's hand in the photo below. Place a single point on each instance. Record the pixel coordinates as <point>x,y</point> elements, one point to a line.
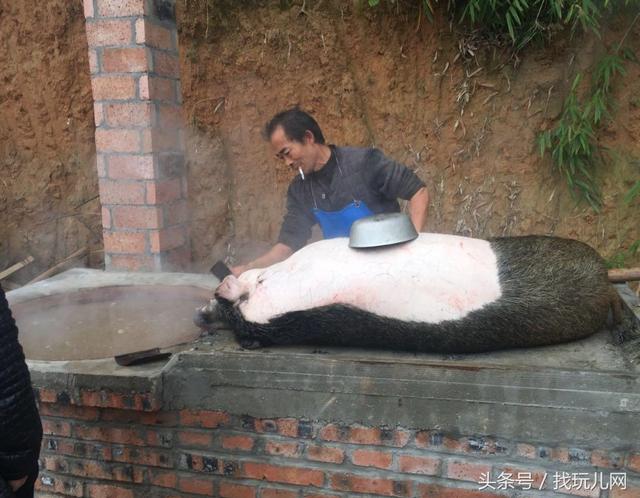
<point>277,253</point>
<point>17,484</point>
<point>238,270</point>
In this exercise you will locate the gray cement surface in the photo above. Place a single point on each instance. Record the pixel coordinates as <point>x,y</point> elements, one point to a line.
<point>83,278</point>
<point>89,314</point>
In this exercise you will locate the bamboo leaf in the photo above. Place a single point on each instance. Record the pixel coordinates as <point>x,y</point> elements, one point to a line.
<point>632,193</point>
<point>510,27</point>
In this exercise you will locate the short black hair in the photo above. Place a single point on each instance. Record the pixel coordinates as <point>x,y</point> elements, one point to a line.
<point>295,123</point>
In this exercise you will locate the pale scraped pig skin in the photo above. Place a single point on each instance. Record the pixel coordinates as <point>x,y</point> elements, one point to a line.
<point>458,275</point>
<point>440,293</point>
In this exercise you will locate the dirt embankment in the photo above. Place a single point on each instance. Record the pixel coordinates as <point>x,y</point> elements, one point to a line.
<point>48,181</point>
<point>425,94</point>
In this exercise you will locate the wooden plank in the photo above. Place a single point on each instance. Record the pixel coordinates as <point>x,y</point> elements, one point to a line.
<point>54,269</point>
<point>624,274</point>
<point>14,268</point>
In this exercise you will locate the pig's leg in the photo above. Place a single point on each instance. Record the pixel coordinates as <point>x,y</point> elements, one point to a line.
<point>624,327</point>
<point>250,344</point>
<point>248,340</point>
<point>615,320</point>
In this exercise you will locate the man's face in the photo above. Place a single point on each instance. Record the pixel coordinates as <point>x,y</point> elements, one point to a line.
<point>294,154</point>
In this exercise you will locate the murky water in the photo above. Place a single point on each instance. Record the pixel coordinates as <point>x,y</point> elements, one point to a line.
<point>105,322</point>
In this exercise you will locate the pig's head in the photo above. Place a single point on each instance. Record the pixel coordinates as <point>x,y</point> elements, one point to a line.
<point>236,290</point>
<point>230,293</point>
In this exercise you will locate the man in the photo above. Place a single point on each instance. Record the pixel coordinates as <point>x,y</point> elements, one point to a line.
<point>20,427</point>
<point>335,186</point>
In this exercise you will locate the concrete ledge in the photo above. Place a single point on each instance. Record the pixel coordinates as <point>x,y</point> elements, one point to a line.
<point>583,393</point>
<point>516,402</point>
<point>82,278</point>
<point>100,383</point>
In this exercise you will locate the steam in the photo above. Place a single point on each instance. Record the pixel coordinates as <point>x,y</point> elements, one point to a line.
<point>105,322</point>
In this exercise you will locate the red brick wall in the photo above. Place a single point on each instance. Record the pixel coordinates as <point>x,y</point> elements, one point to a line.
<point>135,79</point>
<point>122,446</point>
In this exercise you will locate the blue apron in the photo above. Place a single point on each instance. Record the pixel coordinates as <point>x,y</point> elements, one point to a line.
<point>338,223</point>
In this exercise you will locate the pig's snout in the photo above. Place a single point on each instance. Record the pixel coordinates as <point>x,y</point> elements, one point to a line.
<point>207,317</point>
<point>229,290</point>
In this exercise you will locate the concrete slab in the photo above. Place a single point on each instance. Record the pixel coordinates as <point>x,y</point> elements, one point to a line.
<point>582,393</point>
<point>88,314</point>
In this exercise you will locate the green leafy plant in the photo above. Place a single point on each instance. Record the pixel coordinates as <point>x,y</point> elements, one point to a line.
<point>426,5</point>
<point>621,259</point>
<point>571,145</point>
<point>572,141</point>
<point>633,193</point>
<point>524,21</point>
<point>528,20</point>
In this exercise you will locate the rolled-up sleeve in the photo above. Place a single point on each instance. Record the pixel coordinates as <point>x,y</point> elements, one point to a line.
<point>297,223</point>
<point>392,179</point>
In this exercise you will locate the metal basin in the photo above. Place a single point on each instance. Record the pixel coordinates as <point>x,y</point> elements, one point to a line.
<point>104,322</point>
<point>381,230</point>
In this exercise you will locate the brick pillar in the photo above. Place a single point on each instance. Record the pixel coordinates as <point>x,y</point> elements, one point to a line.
<point>133,57</point>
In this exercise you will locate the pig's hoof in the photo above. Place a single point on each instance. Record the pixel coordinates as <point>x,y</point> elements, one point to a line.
<point>250,343</point>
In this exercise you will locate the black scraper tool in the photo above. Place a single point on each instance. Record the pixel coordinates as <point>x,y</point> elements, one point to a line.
<point>140,357</point>
<point>220,270</point>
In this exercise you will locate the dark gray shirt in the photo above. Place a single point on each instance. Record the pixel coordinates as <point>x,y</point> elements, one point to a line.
<point>352,173</point>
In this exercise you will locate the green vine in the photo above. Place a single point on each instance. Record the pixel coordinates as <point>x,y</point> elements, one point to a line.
<point>621,259</point>
<point>529,20</point>
<point>522,21</point>
<point>633,193</point>
<point>572,142</point>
